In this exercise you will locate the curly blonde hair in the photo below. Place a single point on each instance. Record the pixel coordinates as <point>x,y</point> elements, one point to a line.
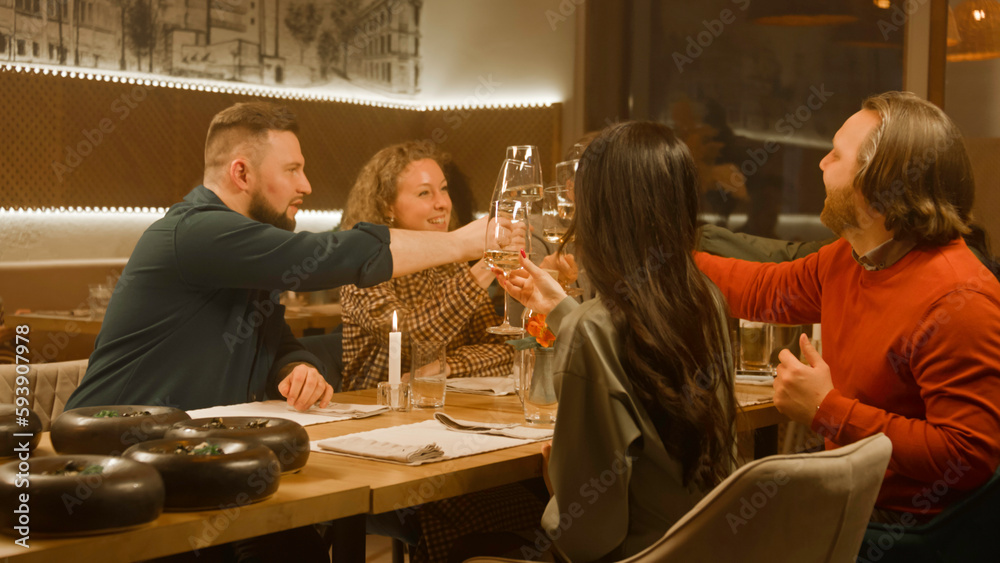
<point>374,191</point>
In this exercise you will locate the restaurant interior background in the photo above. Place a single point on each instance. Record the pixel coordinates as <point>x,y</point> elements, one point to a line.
<point>95,146</point>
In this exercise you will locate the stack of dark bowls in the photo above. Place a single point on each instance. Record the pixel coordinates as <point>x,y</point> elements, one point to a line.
<point>168,461</point>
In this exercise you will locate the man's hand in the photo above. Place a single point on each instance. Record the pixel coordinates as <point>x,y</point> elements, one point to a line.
<point>471,239</point>
<point>304,386</point>
<point>565,264</point>
<point>799,389</point>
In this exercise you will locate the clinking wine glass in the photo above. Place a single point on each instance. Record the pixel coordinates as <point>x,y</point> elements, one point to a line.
<point>507,231</point>
<point>532,190</point>
<point>558,202</point>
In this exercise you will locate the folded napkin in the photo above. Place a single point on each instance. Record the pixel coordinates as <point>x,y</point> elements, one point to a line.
<point>363,447</point>
<point>276,409</point>
<point>755,379</point>
<point>493,428</point>
<point>420,435</point>
<point>495,386</point>
<point>347,409</point>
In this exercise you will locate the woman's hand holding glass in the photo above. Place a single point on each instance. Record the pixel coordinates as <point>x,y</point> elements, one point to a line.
<point>507,230</point>
<point>531,286</point>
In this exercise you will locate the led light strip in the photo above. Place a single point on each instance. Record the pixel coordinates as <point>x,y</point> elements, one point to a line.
<point>248,89</point>
<point>157,211</point>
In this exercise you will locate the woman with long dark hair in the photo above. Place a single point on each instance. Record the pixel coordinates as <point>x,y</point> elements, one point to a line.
<point>646,404</point>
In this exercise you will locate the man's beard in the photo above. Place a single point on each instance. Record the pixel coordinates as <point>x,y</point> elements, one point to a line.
<point>840,213</point>
<point>261,210</point>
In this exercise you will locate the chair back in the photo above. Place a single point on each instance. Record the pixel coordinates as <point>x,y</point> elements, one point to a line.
<point>49,386</point>
<point>803,508</point>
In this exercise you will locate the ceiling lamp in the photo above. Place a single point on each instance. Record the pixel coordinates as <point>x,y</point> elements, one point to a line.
<point>978,23</point>
<point>801,12</point>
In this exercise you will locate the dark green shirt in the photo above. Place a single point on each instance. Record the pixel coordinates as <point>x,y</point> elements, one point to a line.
<point>194,320</point>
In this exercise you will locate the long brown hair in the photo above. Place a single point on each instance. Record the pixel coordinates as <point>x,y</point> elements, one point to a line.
<point>374,191</point>
<point>913,168</point>
<point>637,206</point>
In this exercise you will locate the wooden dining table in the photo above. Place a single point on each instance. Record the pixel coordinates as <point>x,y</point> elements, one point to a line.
<point>339,488</point>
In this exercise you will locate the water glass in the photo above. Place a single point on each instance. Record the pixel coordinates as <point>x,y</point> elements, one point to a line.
<point>428,373</point>
<point>396,396</point>
<point>538,386</point>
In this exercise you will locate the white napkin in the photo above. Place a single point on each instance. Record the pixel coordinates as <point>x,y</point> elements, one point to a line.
<point>418,435</point>
<point>495,386</point>
<point>347,409</point>
<point>273,409</point>
<point>494,428</point>
<point>755,379</point>
<point>363,447</point>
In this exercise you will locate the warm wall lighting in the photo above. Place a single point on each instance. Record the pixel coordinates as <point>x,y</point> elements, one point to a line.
<point>978,28</point>
<point>801,12</point>
<point>882,4</point>
<point>262,91</point>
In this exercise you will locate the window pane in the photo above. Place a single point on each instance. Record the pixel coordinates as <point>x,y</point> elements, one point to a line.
<point>758,104</point>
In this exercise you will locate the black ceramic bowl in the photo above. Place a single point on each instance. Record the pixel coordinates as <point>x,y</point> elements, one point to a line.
<point>111,494</point>
<point>78,431</point>
<point>242,474</point>
<point>287,439</point>
<point>10,445</point>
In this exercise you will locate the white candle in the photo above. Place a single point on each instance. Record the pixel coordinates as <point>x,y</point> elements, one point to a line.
<point>395,347</point>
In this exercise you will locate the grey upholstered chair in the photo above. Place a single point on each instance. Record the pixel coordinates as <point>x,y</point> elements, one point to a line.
<point>802,508</point>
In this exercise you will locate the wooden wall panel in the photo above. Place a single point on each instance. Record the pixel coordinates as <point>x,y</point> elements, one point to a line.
<point>77,142</point>
<point>477,140</point>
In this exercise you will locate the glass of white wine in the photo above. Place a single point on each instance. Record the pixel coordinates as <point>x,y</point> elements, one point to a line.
<point>507,232</point>
<point>532,190</point>
<point>558,202</point>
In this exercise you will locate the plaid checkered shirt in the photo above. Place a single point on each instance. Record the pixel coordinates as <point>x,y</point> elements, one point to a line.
<point>442,303</point>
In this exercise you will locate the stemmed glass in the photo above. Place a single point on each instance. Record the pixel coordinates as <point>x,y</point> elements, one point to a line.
<point>532,191</point>
<point>558,202</point>
<point>507,232</point>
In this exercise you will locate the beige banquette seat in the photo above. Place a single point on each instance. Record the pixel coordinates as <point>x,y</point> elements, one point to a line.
<point>49,386</point>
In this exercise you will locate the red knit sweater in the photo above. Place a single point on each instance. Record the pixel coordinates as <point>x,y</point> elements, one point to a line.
<point>914,352</point>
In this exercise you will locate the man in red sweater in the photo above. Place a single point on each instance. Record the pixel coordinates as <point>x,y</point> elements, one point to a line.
<point>910,318</point>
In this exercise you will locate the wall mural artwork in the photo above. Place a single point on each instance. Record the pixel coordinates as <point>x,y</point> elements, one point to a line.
<point>354,48</point>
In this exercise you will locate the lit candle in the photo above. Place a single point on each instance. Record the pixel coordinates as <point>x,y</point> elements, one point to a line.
<point>395,347</point>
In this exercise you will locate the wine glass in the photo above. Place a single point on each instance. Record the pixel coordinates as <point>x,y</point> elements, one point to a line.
<point>529,154</point>
<point>507,231</point>
<point>558,203</point>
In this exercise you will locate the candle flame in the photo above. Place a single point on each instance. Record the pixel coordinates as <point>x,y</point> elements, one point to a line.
<point>394,321</point>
